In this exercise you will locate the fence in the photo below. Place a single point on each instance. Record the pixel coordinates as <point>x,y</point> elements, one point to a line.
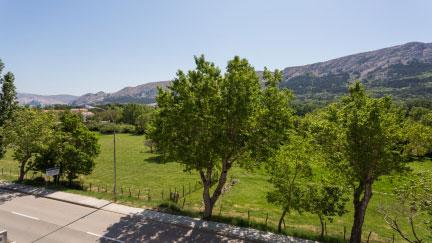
<point>257,219</point>
<point>147,194</point>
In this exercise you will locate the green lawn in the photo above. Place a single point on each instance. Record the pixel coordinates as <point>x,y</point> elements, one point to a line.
<point>142,172</point>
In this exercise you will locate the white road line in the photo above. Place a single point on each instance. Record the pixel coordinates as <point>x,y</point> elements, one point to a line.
<point>23,215</point>
<point>108,238</point>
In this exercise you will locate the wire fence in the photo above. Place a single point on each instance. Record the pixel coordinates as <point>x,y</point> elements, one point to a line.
<point>173,193</point>
<point>179,195</point>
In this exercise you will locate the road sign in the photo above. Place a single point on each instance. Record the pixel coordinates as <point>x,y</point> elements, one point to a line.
<point>52,171</point>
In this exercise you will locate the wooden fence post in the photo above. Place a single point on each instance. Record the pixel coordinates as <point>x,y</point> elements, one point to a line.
<point>139,192</point>
<point>148,195</point>
<point>369,236</point>
<point>130,193</point>
<point>183,191</point>
<point>266,220</point>
<point>162,194</point>
<point>344,233</point>
<point>248,218</point>
<point>325,228</point>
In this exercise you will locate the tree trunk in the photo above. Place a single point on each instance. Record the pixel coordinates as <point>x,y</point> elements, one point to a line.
<point>208,205</point>
<point>360,206</point>
<point>281,219</point>
<point>21,172</point>
<point>322,226</point>
<point>210,201</point>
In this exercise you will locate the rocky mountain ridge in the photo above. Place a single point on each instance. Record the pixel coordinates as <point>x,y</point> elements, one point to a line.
<point>403,71</point>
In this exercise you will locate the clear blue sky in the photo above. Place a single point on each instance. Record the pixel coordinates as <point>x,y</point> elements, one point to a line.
<point>76,47</point>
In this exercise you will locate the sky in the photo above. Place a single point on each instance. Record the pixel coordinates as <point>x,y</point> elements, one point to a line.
<point>80,46</point>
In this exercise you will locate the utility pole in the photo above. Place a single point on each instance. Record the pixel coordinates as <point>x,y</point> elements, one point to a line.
<point>115,154</point>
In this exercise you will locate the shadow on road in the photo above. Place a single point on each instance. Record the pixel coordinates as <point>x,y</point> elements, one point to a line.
<point>136,228</point>
<point>7,195</point>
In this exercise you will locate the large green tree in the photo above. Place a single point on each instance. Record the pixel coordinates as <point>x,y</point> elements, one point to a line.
<point>207,121</point>
<point>8,103</point>
<point>73,148</point>
<point>362,139</point>
<point>28,134</point>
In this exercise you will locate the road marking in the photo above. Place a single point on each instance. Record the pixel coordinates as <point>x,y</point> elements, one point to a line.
<point>23,215</point>
<point>108,238</point>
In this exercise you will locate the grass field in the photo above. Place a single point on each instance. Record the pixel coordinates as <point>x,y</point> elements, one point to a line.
<point>142,172</point>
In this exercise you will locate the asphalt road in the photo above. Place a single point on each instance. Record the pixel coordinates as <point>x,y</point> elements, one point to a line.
<point>36,219</point>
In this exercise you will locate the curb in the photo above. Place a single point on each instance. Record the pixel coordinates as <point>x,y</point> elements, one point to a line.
<point>241,233</point>
<point>14,189</point>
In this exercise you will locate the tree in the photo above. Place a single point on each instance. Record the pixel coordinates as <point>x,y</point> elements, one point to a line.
<point>72,149</point>
<point>111,113</point>
<point>143,123</point>
<point>207,121</point>
<point>361,137</point>
<point>131,112</point>
<point>326,201</point>
<point>275,118</point>
<point>413,201</point>
<point>149,143</point>
<point>8,103</point>
<point>28,134</point>
<point>289,170</point>
<point>418,139</point>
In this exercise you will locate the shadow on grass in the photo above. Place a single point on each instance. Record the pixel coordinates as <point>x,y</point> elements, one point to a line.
<point>156,159</point>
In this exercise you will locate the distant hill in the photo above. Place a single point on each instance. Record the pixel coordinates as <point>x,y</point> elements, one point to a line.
<point>144,93</point>
<point>36,100</point>
<point>403,71</point>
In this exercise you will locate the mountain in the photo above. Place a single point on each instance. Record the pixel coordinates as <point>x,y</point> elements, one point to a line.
<point>403,71</point>
<point>144,93</point>
<point>36,100</point>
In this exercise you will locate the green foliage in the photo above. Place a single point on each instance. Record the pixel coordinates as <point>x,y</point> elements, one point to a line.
<point>274,119</point>
<point>73,148</point>
<point>414,200</point>
<point>137,168</point>
<point>112,113</point>
<point>28,134</point>
<point>131,112</point>
<point>418,139</point>
<point>208,121</point>
<point>362,138</point>
<point>326,201</point>
<point>109,128</point>
<point>8,103</point>
<point>289,170</point>
<point>143,123</point>
<point>129,118</point>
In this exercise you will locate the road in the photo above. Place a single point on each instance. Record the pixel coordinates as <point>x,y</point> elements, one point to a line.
<point>36,219</point>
